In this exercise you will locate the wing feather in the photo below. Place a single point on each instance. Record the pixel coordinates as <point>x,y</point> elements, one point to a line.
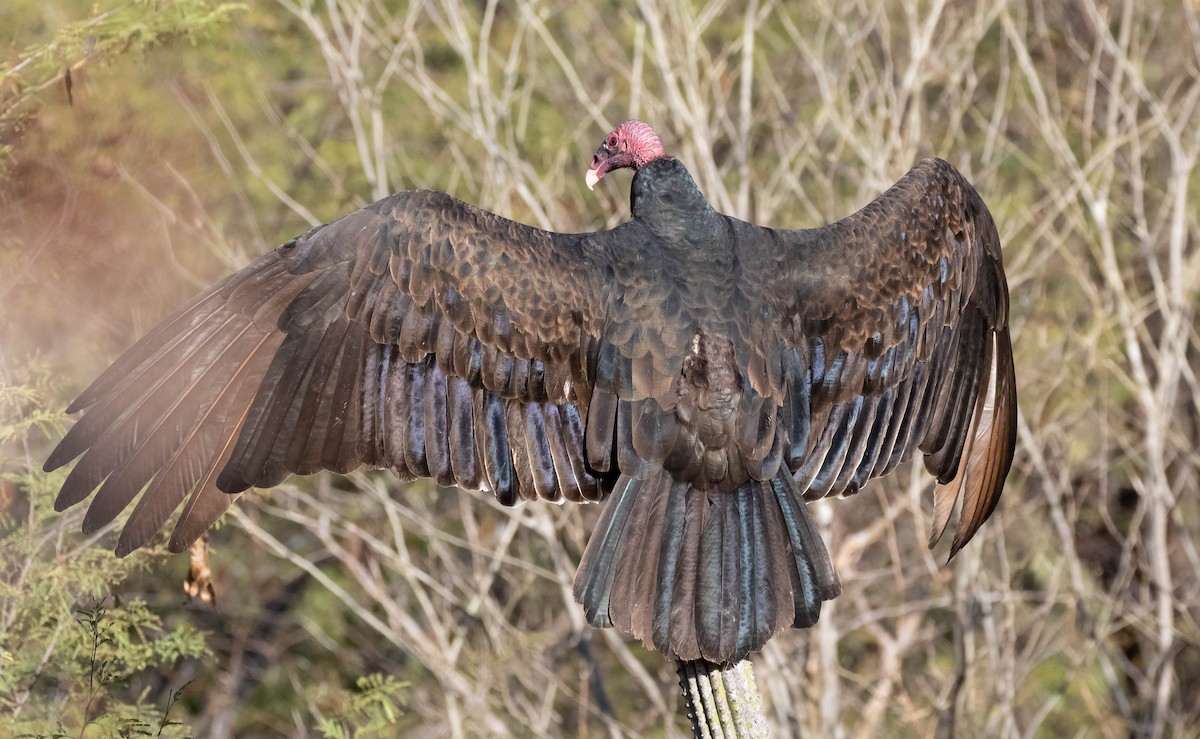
<point>193,461</point>
<point>408,335</point>
<point>430,337</point>
<point>900,314</point>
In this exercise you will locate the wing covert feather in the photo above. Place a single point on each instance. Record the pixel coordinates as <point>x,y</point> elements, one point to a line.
<point>419,334</point>
<point>903,303</point>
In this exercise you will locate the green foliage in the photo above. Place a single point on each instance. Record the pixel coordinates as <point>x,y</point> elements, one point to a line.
<point>371,709</point>
<point>69,669</point>
<point>25,407</point>
<point>123,28</point>
<point>118,30</point>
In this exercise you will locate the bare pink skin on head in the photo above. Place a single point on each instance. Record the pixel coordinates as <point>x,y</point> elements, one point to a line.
<point>632,144</point>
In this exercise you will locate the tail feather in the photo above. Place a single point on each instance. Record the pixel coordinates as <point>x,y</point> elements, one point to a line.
<point>813,577</point>
<point>594,580</point>
<point>700,574</point>
<point>634,579</point>
<point>662,575</point>
<point>676,634</point>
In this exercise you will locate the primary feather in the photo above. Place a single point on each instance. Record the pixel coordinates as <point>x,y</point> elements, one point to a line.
<point>704,374</point>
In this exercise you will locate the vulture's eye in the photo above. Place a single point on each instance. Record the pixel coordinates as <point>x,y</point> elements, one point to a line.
<point>612,141</point>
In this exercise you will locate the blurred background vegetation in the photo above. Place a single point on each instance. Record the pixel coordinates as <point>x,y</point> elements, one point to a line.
<point>148,148</point>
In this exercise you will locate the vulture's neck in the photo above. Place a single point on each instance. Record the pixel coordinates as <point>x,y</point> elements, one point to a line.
<point>664,192</point>
<point>691,235</point>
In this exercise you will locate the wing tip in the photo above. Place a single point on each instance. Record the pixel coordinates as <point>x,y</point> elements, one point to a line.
<point>62,454</point>
<point>61,503</point>
<point>126,546</point>
<point>989,473</point>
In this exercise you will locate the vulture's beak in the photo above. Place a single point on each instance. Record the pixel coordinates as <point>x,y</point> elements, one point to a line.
<point>599,168</point>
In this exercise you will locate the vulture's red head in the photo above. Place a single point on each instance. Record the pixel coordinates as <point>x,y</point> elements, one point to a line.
<point>632,144</point>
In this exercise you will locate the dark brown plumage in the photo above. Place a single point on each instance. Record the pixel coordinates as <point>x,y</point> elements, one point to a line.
<point>703,374</point>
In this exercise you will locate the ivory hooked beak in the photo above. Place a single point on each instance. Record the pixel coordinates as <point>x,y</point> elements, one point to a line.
<point>591,178</point>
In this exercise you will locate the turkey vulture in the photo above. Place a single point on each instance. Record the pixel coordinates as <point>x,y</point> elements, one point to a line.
<point>701,375</point>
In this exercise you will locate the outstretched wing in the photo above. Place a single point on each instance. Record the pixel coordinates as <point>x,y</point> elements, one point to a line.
<point>895,339</point>
<point>419,334</point>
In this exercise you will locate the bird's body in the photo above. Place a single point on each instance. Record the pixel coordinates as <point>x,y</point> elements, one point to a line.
<point>699,373</point>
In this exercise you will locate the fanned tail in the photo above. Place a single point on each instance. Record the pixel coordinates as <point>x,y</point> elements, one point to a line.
<point>705,574</point>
